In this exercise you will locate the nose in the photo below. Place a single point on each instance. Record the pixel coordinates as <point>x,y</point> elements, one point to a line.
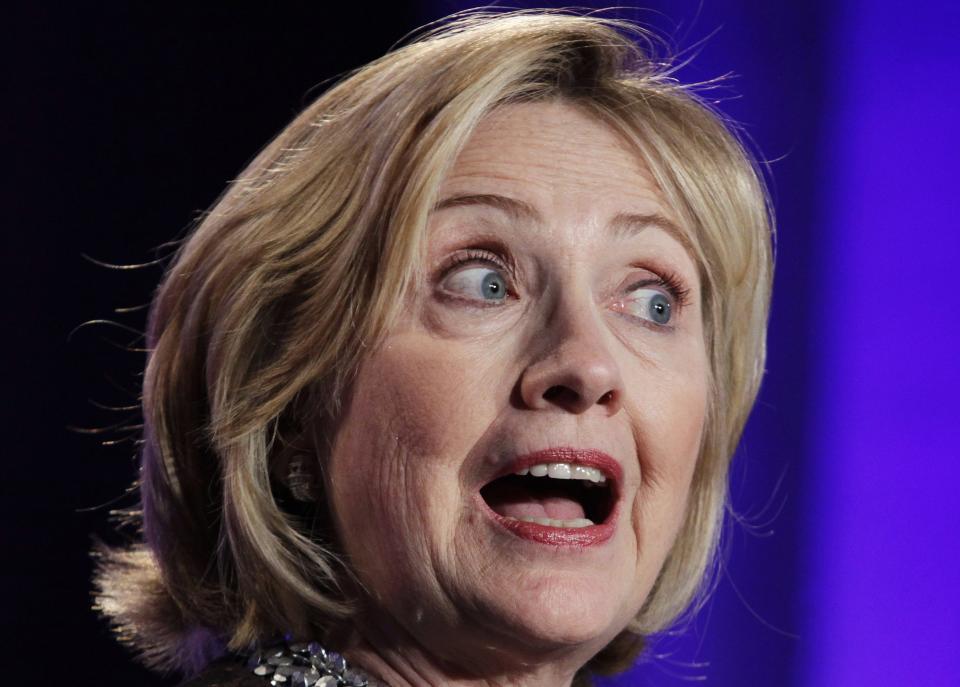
<point>576,370</point>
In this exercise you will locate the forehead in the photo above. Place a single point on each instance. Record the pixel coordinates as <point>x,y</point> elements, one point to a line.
<point>551,143</point>
<point>556,157</point>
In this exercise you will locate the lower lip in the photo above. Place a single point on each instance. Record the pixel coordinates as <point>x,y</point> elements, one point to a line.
<point>592,535</point>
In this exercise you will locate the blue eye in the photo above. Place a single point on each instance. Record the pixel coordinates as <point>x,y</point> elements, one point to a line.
<point>650,304</point>
<point>482,283</point>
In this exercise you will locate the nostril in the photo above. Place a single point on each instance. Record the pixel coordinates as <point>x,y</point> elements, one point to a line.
<point>565,397</point>
<point>559,394</point>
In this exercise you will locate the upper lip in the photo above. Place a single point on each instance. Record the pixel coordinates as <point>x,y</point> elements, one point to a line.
<point>588,457</point>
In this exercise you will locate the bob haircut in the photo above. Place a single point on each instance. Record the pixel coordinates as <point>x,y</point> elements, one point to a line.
<point>301,266</point>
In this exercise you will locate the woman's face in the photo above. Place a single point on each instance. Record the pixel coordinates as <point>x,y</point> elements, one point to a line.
<point>556,329</point>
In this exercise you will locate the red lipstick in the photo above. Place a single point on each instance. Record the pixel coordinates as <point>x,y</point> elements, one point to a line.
<point>590,535</point>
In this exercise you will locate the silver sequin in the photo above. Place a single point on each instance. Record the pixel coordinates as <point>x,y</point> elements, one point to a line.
<point>307,665</point>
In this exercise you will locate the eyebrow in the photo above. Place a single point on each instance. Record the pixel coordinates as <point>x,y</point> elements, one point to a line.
<point>631,223</point>
<point>516,209</point>
<point>624,224</point>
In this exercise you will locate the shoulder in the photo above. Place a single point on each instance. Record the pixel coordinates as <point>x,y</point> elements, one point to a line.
<point>226,672</point>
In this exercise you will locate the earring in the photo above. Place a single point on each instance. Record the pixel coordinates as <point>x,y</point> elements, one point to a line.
<point>301,479</point>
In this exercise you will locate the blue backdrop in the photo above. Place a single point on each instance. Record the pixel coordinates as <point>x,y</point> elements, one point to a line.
<point>841,555</point>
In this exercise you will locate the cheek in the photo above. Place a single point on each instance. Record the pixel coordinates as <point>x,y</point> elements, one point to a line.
<point>401,409</point>
<point>423,396</point>
<point>416,409</point>
<point>672,412</point>
<point>675,426</point>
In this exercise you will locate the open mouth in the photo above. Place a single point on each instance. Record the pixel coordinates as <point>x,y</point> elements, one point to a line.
<point>557,495</point>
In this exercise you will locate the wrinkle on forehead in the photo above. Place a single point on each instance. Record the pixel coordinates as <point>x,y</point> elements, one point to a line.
<point>550,142</point>
<point>556,153</point>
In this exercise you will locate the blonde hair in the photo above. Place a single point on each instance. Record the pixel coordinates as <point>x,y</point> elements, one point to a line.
<point>303,264</point>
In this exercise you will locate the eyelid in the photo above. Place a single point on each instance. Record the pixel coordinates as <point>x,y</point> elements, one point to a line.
<point>468,256</point>
<point>475,256</point>
<point>669,282</point>
<point>661,281</point>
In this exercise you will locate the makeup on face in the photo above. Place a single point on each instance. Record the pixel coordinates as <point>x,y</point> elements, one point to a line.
<point>528,431</point>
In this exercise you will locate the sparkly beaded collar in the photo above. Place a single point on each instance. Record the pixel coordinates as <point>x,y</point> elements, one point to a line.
<point>307,665</point>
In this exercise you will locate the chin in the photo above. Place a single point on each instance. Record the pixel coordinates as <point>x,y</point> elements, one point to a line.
<point>563,611</point>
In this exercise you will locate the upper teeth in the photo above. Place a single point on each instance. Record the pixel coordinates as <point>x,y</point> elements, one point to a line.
<point>564,471</point>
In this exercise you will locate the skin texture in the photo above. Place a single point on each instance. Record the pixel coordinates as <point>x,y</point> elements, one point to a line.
<point>461,387</point>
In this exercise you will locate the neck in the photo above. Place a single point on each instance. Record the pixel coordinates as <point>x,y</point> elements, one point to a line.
<point>394,657</point>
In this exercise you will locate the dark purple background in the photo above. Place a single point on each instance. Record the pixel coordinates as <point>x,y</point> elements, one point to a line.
<point>119,125</point>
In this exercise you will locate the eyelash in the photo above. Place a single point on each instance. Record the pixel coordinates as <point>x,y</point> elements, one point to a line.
<point>669,282</point>
<point>477,256</point>
<point>474,255</point>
